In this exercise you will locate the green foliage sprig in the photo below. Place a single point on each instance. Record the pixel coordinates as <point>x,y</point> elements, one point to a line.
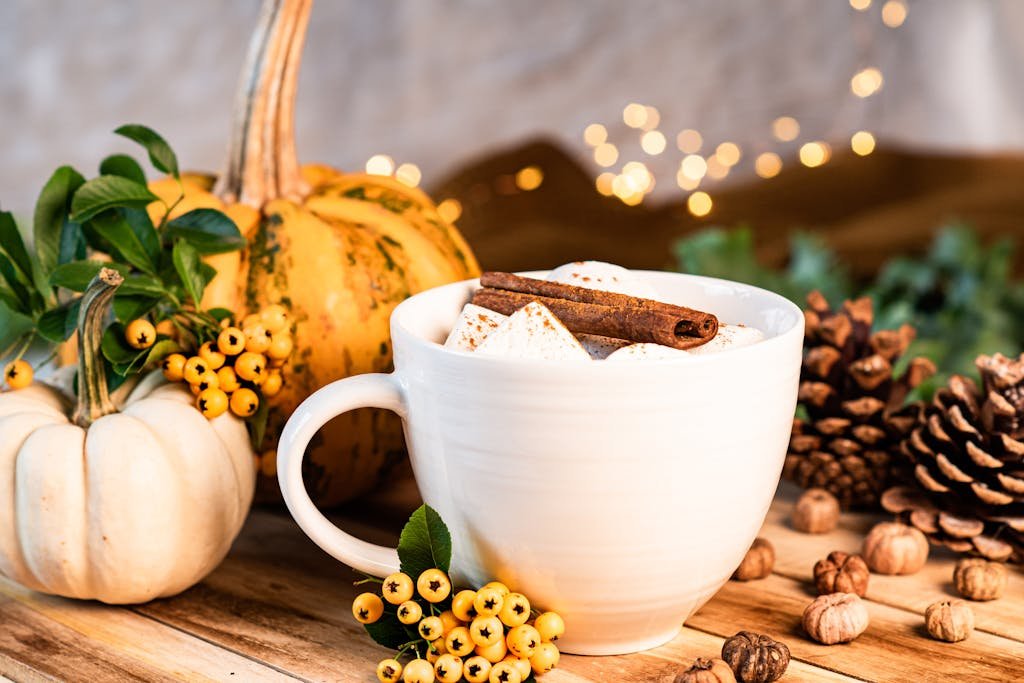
<point>80,226</point>
<point>960,295</point>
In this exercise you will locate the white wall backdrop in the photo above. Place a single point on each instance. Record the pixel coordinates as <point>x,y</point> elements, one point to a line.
<point>437,82</point>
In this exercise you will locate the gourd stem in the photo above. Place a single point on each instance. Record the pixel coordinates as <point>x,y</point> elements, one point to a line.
<point>262,163</point>
<point>93,397</point>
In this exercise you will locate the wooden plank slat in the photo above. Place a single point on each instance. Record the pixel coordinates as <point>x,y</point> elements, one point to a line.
<point>894,648</point>
<point>797,552</point>
<point>82,640</point>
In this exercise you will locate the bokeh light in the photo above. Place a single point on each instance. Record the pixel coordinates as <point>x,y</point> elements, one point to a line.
<point>689,141</point>
<point>529,178</point>
<point>380,164</point>
<point>814,154</point>
<point>866,82</point>
<point>450,210</point>
<point>409,174</point>
<point>699,204</point>
<point>634,115</point>
<point>693,166</point>
<point>653,142</point>
<point>767,165</point>
<point>785,128</point>
<point>604,183</point>
<point>728,153</point>
<point>894,13</point>
<point>606,154</point>
<point>595,134</point>
<point>862,143</point>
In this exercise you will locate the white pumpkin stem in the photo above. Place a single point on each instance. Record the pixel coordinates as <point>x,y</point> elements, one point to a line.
<point>93,397</point>
<point>262,163</point>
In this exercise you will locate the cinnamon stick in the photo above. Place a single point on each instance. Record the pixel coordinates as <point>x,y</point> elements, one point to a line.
<point>591,311</point>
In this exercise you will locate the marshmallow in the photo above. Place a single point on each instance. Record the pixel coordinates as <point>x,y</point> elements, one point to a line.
<point>730,337</point>
<point>646,352</point>
<point>600,347</point>
<point>603,276</point>
<point>472,327</point>
<point>533,332</point>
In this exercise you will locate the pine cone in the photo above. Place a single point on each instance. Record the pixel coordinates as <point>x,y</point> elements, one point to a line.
<point>850,395</point>
<point>967,454</point>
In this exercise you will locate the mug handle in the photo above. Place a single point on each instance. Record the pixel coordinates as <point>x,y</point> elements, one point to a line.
<point>375,390</point>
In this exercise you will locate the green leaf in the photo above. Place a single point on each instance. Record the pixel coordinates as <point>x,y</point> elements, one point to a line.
<point>257,424</point>
<point>160,350</point>
<point>189,268</point>
<point>77,275</point>
<point>425,543</point>
<point>12,244</point>
<point>219,314</point>
<point>72,243</point>
<point>208,230</point>
<point>124,166</point>
<point>51,215</point>
<point>388,632</point>
<point>13,325</point>
<point>160,153</point>
<point>108,192</point>
<point>58,324</point>
<point>124,241</point>
<point>114,346</point>
<point>143,228</point>
<point>141,284</point>
<point>128,308</point>
<point>10,274</point>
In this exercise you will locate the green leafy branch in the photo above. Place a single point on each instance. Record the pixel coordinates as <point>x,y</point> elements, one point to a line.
<point>82,225</point>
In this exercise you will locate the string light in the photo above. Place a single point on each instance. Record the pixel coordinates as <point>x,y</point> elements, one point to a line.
<point>814,154</point>
<point>689,141</point>
<point>606,154</point>
<point>693,166</point>
<point>634,115</point>
<point>699,204</point>
<point>716,169</point>
<point>652,117</point>
<point>653,142</point>
<point>767,165</point>
<point>785,129</point>
<point>595,134</point>
<point>380,164</point>
<point>409,174</point>
<point>450,210</point>
<point>894,13</point>
<point>862,143</point>
<point>529,178</point>
<point>860,5</point>
<point>604,183</point>
<point>866,82</point>
<point>728,153</point>
<point>685,182</point>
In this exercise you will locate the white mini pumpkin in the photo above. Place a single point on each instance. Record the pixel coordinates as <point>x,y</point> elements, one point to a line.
<point>118,506</point>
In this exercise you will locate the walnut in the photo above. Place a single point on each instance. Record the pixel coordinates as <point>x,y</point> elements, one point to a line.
<point>755,658</point>
<point>978,579</point>
<point>841,573</point>
<point>758,562</point>
<point>707,671</point>
<point>894,548</point>
<point>949,620</point>
<point>836,618</point>
<point>816,512</point>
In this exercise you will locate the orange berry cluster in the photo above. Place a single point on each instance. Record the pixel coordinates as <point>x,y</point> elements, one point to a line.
<point>238,368</point>
<point>491,635</point>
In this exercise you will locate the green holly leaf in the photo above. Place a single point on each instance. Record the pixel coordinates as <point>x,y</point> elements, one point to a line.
<point>50,222</point>
<point>124,166</point>
<point>208,230</point>
<point>425,543</point>
<point>108,192</point>
<point>160,153</point>
<point>189,268</point>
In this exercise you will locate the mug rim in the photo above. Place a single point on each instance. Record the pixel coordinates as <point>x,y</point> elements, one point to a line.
<point>401,330</point>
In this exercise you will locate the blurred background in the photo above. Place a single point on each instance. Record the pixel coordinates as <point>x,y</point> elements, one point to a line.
<point>860,146</point>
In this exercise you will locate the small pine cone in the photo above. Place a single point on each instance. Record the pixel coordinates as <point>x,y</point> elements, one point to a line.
<point>966,452</point>
<point>850,395</point>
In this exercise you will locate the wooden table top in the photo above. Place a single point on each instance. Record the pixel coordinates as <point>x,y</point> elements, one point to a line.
<point>278,609</point>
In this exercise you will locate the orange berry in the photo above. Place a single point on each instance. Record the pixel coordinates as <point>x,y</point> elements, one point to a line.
<point>274,317</point>
<point>18,374</point>
<point>228,380</point>
<point>272,383</point>
<point>208,380</point>
<point>281,346</point>
<point>257,339</point>
<point>214,358</point>
<point>195,368</point>
<point>140,334</point>
<point>212,402</point>
<point>173,367</point>
<point>231,341</point>
<point>244,402</point>
<point>251,366</point>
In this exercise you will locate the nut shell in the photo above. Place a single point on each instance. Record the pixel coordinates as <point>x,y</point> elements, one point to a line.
<point>949,620</point>
<point>706,671</point>
<point>978,579</point>
<point>894,548</point>
<point>755,658</point>
<point>816,512</point>
<point>836,618</point>
<point>757,563</point>
<point>841,573</point>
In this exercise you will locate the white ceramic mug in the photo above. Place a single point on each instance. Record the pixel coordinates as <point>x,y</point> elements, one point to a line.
<point>620,494</point>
